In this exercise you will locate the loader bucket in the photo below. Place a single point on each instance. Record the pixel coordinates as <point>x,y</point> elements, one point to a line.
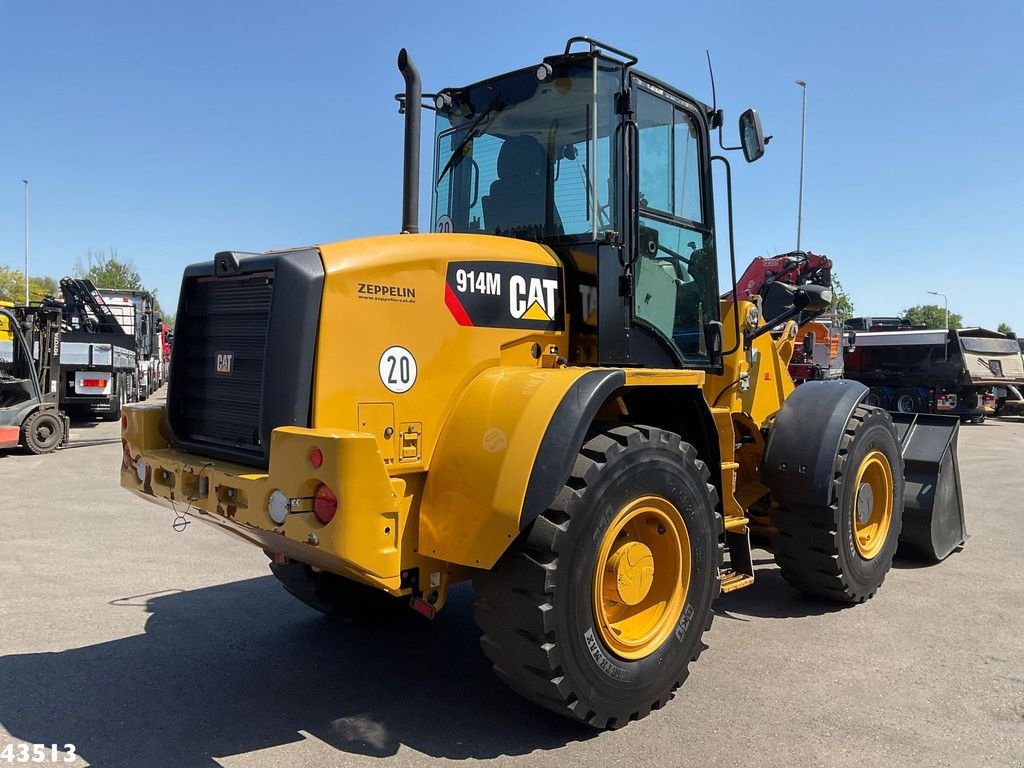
<point>933,513</point>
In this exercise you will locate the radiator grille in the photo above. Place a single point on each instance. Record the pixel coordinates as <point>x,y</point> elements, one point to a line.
<point>219,350</point>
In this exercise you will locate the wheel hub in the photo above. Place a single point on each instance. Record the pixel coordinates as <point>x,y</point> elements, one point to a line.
<point>872,504</point>
<point>632,565</point>
<point>865,503</point>
<point>641,577</point>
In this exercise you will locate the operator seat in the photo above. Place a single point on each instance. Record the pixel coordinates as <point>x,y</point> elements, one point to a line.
<point>517,199</point>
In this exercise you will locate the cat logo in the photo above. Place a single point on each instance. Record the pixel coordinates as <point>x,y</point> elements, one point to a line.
<point>496,294</point>
<point>532,298</point>
<point>225,362</point>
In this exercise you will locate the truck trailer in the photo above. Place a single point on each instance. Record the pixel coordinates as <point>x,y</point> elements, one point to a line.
<point>136,313</point>
<point>935,371</point>
<point>99,368</point>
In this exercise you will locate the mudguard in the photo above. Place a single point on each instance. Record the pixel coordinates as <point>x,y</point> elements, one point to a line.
<point>503,454</point>
<point>799,461</point>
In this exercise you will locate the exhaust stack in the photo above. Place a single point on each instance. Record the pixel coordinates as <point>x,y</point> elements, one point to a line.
<point>411,171</point>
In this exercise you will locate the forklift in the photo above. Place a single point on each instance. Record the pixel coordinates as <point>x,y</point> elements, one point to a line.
<point>29,412</point>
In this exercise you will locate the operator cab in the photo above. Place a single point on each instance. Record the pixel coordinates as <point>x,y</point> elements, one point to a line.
<point>610,168</point>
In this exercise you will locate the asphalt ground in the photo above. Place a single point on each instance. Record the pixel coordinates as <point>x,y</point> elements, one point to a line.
<point>146,647</point>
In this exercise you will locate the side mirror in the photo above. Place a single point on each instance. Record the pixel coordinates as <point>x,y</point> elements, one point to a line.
<point>751,135</point>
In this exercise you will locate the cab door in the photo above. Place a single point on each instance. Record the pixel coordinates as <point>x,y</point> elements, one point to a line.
<point>675,280</point>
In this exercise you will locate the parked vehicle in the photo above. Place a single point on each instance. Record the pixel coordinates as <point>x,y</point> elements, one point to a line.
<point>818,355</point>
<point>136,314</point>
<point>935,371</point>
<point>546,397</point>
<point>29,411</point>
<point>99,363</point>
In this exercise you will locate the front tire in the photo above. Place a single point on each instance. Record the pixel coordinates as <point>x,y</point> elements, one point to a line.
<point>42,432</point>
<point>597,609</point>
<point>844,550</point>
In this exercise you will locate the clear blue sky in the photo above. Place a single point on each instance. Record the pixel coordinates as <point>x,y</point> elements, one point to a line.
<point>169,131</point>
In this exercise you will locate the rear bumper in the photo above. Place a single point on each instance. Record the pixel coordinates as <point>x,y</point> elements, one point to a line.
<point>369,539</point>
<point>9,437</point>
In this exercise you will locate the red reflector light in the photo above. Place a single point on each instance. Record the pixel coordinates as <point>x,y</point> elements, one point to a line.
<point>325,504</point>
<point>316,458</point>
<point>94,382</point>
<point>126,456</point>
<point>124,422</point>
<point>422,607</point>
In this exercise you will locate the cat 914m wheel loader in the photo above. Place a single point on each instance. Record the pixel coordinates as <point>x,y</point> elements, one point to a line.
<point>545,396</point>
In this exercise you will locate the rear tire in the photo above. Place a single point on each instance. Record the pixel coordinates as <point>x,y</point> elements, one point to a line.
<point>908,401</point>
<point>337,596</point>
<point>42,432</point>
<point>549,627</point>
<point>843,551</point>
<point>117,402</point>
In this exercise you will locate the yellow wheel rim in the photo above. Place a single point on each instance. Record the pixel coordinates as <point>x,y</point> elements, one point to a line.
<point>641,577</point>
<point>872,504</point>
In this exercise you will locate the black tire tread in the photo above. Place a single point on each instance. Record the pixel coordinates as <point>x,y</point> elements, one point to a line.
<point>807,538</point>
<point>514,608</point>
<point>28,426</point>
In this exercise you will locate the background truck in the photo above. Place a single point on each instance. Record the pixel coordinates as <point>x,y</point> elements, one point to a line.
<point>935,371</point>
<point>136,314</point>
<point>822,341</point>
<point>546,397</point>
<point>29,412</point>
<point>99,358</point>
<point>166,340</point>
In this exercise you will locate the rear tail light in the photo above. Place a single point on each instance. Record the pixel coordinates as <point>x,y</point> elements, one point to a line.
<point>94,382</point>
<point>945,402</point>
<point>124,422</point>
<point>325,504</point>
<point>126,455</point>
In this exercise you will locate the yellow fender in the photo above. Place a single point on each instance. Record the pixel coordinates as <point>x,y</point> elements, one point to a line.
<point>503,454</point>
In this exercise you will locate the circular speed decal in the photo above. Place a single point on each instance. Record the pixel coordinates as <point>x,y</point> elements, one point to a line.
<point>397,369</point>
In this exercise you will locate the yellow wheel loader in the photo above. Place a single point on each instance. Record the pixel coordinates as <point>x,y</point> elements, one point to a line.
<point>544,396</point>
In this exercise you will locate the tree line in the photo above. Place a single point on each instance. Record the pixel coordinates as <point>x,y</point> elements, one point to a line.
<point>104,268</point>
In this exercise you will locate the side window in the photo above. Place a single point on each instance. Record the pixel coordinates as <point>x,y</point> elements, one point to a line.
<point>459,195</point>
<point>686,166</point>
<point>676,280</point>
<point>669,159</point>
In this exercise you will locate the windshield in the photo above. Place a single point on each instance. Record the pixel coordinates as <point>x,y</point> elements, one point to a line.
<point>522,157</point>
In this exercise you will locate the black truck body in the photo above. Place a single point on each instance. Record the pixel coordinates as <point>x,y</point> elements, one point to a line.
<point>935,371</point>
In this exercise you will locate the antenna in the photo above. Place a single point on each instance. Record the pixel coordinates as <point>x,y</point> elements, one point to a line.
<point>717,116</point>
<point>711,74</point>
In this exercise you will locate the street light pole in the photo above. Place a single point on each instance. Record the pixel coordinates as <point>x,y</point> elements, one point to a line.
<point>803,135</point>
<point>26,241</point>
<point>946,301</point>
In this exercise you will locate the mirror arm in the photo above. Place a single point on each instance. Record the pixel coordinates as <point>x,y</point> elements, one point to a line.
<point>721,142</point>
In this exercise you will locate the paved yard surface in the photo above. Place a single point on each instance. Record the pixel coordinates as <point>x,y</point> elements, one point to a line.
<point>145,647</point>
